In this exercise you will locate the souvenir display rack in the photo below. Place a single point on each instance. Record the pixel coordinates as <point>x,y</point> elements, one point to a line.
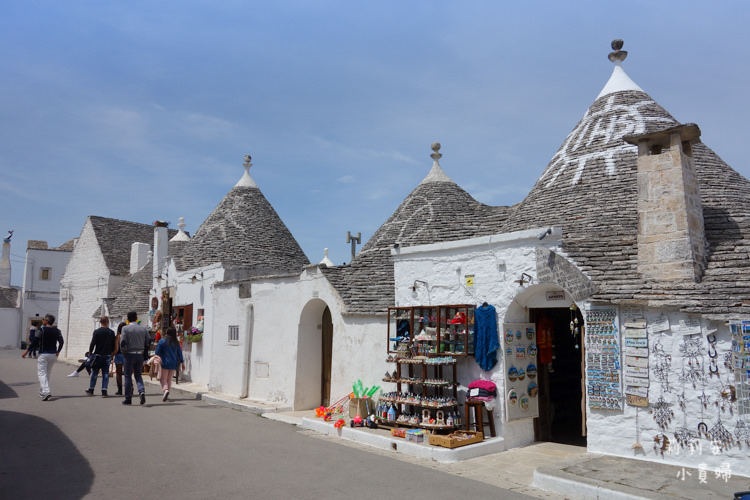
<point>740,363</point>
<point>603,371</point>
<point>520,349</point>
<point>446,330</point>
<point>426,394</point>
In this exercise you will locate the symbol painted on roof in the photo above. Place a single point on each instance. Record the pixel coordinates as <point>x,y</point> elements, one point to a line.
<point>604,130</point>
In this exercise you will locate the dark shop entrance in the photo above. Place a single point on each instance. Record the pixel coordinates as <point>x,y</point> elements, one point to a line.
<point>561,403</point>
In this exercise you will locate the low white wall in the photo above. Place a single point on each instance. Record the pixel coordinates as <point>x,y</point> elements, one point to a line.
<point>9,327</point>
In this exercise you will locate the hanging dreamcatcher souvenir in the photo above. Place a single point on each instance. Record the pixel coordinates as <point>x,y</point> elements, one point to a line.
<point>662,413</point>
<point>720,436</point>
<point>661,443</point>
<point>692,360</point>
<point>684,436</point>
<point>662,365</point>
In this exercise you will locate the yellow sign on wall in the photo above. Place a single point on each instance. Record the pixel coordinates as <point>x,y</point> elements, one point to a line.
<point>469,279</point>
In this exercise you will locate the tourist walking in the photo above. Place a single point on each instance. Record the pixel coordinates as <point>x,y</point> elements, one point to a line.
<point>170,352</point>
<point>134,344</point>
<point>49,341</point>
<point>119,359</point>
<point>102,347</point>
<point>32,335</point>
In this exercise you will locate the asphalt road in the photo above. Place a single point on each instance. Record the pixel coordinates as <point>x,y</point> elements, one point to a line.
<point>79,446</point>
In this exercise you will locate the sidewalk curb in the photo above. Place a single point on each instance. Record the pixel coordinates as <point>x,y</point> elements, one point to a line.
<point>583,488</point>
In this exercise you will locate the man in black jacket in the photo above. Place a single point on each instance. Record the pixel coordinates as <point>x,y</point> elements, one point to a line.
<point>102,346</point>
<point>50,341</point>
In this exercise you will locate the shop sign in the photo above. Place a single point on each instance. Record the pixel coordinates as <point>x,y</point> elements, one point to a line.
<point>636,382</point>
<point>637,391</point>
<point>636,371</point>
<point>636,362</point>
<point>555,296</point>
<point>660,325</point>
<point>636,333</point>
<point>636,342</point>
<point>635,323</point>
<point>690,326</point>
<point>641,352</point>
<point>637,401</point>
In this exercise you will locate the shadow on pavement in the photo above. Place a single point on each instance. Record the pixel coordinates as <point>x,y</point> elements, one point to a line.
<point>39,461</point>
<point>6,392</point>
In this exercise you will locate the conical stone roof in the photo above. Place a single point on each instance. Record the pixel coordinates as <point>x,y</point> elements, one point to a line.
<point>436,210</point>
<point>245,233</point>
<point>590,190</point>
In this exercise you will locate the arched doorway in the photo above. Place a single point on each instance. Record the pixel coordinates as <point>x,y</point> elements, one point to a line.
<point>560,364</point>
<point>314,356</point>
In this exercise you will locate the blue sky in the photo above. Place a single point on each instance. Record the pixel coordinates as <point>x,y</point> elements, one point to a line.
<point>144,110</point>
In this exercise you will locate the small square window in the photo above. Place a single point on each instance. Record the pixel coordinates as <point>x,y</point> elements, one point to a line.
<point>44,273</point>
<point>234,334</point>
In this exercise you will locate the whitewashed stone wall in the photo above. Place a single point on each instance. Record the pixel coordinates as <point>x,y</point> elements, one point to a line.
<point>199,294</point>
<point>87,281</point>
<point>41,297</point>
<point>10,326</point>
<point>494,263</point>
<point>616,432</point>
<point>280,332</point>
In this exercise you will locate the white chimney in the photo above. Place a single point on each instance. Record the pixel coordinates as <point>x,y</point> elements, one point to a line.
<point>138,256</point>
<point>5,262</point>
<point>161,246</point>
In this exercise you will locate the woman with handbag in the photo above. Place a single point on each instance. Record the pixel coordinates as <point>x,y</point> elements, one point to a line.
<point>119,359</point>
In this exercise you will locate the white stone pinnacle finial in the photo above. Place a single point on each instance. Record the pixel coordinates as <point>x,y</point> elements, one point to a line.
<point>181,234</point>
<point>328,262</point>
<point>619,81</point>
<point>617,55</point>
<point>436,152</point>
<point>436,174</point>
<point>246,180</point>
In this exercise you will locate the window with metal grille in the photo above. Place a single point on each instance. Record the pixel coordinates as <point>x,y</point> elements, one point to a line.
<point>234,334</point>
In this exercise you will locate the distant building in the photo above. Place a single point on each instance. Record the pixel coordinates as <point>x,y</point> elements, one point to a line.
<point>10,301</point>
<point>42,272</point>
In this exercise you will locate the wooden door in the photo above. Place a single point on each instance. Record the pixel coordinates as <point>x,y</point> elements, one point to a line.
<point>327,354</point>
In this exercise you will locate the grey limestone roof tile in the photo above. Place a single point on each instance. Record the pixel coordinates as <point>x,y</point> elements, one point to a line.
<point>244,232</point>
<point>132,294</point>
<point>433,212</point>
<point>115,238</point>
<point>589,189</point>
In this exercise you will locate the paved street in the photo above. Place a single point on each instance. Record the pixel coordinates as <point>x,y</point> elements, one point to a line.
<point>79,446</point>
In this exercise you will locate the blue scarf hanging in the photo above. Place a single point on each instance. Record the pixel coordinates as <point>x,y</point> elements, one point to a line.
<point>486,341</point>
